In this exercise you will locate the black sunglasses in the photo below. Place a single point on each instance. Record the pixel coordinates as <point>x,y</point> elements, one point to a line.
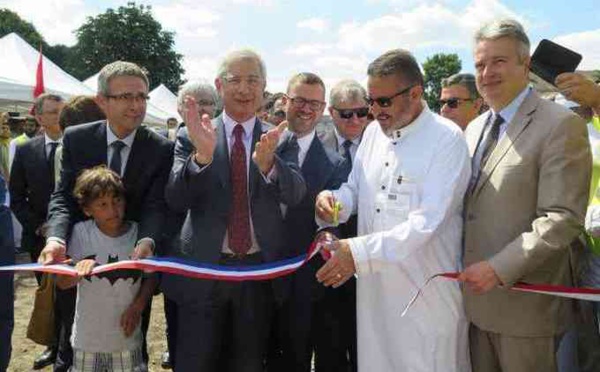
<point>279,114</point>
<point>453,102</point>
<point>360,112</point>
<point>387,101</point>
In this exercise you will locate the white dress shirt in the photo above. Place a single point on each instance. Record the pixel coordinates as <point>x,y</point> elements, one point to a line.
<point>128,141</point>
<point>407,190</point>
<point>353,147</point>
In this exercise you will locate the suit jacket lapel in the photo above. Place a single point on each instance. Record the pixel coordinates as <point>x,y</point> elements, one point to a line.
<point>101,150</point>
<point>221,156</point>
<point>313,168</point>
<point>135,160</point>
<point>253,171</point>
<point>515,128</point>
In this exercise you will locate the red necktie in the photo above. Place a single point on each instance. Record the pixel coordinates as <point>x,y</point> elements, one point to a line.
<point>238,228</point>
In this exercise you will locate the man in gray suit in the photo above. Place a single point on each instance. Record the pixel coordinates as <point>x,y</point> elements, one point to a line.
<point>524,208</point>
<point>228,178</point>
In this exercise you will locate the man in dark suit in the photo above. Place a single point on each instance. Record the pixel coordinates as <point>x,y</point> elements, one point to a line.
<point>310,313</point>
<point>30,186</point>
<point>142,158</point>
<point>7,257</point>
<point>207,101</point>
<point>228,178</point>
<point>349,111</point>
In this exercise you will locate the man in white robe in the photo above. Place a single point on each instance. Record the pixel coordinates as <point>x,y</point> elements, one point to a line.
<point>407,183</point>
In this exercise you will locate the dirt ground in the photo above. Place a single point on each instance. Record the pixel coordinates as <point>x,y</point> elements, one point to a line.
<point>25,350</point>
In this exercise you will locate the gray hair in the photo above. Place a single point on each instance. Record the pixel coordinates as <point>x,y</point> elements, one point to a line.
<point>397,62</point>
<point>347,91</point>
<point>505,28</point>
<point>38,104</point>
<point>242,54</point>
<point>196,88</point>
<point>116,69</point>
<point>465,80</point>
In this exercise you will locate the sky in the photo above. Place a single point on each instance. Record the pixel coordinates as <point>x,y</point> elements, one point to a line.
<point>334,38</point>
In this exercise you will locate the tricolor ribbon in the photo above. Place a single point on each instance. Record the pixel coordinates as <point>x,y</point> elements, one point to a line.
<point>578,293</point>
<point>186,268</point>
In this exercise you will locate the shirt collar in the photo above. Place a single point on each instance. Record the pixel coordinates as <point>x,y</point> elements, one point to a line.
<point>412,126</point>
<point>48,140</point>
<point>305,141</point>
<point>509,112</point>
<point>111,137</point>
<point>230,124</point>
<point>341,139</point>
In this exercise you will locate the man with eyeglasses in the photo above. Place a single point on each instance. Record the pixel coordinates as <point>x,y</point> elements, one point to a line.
<point>349,111</point>
<point>30,186</point>
<point>310,317</point>
<point>140,156</point>
<point>207,101</point>
<point>524,209</point>
<point>459,99</point>
<point>229,179</point>
<point>407,181</point>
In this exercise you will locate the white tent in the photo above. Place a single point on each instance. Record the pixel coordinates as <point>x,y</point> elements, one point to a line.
<point>18,66</point>
<point>155,115</point>
<point>165,100</point>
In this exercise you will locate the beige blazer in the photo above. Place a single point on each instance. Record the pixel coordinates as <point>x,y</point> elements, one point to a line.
<point>526,209</point>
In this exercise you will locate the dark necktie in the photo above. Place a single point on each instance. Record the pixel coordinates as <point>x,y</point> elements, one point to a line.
<point>115,161</point>
<point>492,141</point>
<point>293,150</point>
<point>238,227</point>
<point>347,144</point>
<point>50,159</point>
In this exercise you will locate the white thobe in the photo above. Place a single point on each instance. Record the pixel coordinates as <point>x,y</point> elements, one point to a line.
<point>408,190</point>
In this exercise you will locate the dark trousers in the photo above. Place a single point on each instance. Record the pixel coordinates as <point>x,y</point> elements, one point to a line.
<point>313,320</point>
<point>64,306</point>
<point>7,257</point>
<point>171,329</point>
<point>227,331</point>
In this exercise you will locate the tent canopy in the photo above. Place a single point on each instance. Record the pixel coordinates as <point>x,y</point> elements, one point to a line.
<point>165,100</point>
<point>18,66</point>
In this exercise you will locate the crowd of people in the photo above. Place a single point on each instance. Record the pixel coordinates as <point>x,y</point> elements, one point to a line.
<point>499,187</point>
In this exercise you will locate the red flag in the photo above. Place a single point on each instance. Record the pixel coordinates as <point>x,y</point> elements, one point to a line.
<point>39,77</point>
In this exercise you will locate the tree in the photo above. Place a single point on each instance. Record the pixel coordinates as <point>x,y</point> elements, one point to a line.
<point>11,22</point>
<point>436,68</point>
<point>129,33</point>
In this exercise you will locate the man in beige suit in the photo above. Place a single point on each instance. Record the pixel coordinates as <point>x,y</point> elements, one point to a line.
<point>524,207</point>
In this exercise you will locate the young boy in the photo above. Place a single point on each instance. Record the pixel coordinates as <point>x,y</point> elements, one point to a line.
<point>106,331</point>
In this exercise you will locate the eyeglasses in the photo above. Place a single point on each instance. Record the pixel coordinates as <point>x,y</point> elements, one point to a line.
<point>129,97</point>
<point>205,103</point>
<point>236,81</point>
<point>387,101</point>
<point>360,112</point>
<point>313,104</point>
<point>453,102</point>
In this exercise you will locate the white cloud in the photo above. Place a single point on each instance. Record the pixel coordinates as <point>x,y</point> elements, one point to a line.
<point>176,16</point>
<point>54,19</point>
<point>308,49</point>
<point>319,25</point>
<point>587,44</point>
<point>200,67</point>
<point>423,26</point>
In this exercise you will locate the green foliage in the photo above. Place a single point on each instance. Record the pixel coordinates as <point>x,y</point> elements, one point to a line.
<point>129,33</point>
<point>436,68</point>
<point>596,76</point>
<point>11,22</point>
